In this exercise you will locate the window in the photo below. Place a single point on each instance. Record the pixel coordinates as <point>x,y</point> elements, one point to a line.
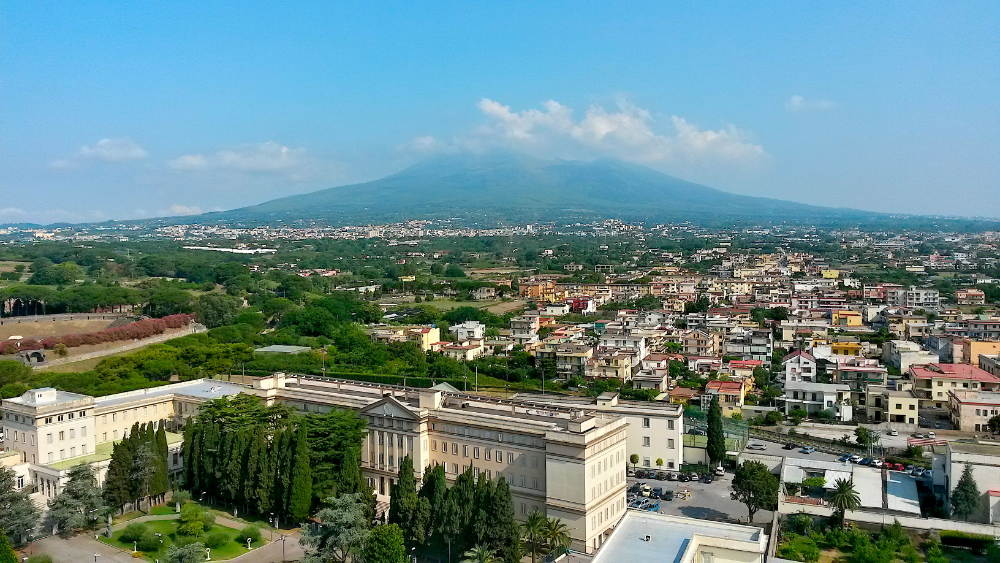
<point>48,420</point>
<point>115,435</point>
<point>104,437</point>
<point>72,433</point>
<point>70,415</point>
<point>912,407</point>
<point>72,452</point>
<point>645,441</point>
<point>465,450</point>
<point>62,454</point>
<point>59,418</point>
<point>670,425</point>
<point>645,422</point>
<point>534,483</point>
<point>475,452</point>
<point>83,449</point>
<point>670,443</point>
<point>454,448</point>
<point>534,461</point>
<point>48,438</point>
<point>434,445</point>
<point>645,462</point>
<point>83,431</point>
<point>454,468</point>
<point>510,458</point>
<point>444,447</point>
<point>50,456</point>
<point>62,436</point>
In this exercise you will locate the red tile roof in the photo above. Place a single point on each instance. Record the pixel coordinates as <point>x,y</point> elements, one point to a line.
<point>726,387</point>
<point>952,371</point>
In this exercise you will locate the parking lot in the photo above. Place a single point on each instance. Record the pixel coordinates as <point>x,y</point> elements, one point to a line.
<point>707,501</point>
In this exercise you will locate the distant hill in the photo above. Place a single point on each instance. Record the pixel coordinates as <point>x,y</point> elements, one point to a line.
<point>514,187</point>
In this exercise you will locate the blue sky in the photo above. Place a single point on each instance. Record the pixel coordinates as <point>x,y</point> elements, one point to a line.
<point>129,110</point>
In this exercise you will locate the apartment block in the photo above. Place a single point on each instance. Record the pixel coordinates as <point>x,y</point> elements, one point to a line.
<point>971,411</point>
<point>932,382</point>
<point>817,397</point>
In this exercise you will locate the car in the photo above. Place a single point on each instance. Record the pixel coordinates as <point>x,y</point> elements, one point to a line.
<point>876,463</point>
<point>667,495</point>
<point>641,503</point>
<point>917,471</point>
<point>856,458</point>
<point>720,471</point>
<point>645,490</point>
<point>866,461</point>
<point>661,475</point>
<point>756,446</point>
<point>928,474</point>
<point>931,434</point>
<point>640,474</point>
<point>657,491</point>
<point>897,467</point>
<point>909,468</point>
<point>918,434</point>
<point>846,457</point>
<point>789,446</point>
<point>653,507</point>
<point>671,476</point>
<point>808,450</point>
<point>707,479</point>
<point>630,472</point>
<point>684,477</point>
<point>894,432</point>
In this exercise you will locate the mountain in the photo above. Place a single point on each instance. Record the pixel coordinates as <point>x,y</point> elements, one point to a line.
<point>513,187</point>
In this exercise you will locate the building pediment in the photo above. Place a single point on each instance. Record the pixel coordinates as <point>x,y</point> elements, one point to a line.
<point>389,407</point>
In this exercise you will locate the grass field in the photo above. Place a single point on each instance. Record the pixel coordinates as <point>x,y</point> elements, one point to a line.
<point>169,530</point>
<point>42,329</point>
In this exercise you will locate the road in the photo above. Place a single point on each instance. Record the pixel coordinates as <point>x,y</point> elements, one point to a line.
<point>773,448</point>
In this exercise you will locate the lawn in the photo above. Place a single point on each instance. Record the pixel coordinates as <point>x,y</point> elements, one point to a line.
<point>169,530</point>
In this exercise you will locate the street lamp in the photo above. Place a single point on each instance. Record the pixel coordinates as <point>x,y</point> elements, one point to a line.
<point>96,555</point>
<point>248,544</point>
<point>159,536</point>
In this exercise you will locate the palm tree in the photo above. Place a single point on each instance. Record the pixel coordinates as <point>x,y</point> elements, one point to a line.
<point>533,532</point>
<point>556,534</point>
<point>479,554</point>
<point>844,497</point>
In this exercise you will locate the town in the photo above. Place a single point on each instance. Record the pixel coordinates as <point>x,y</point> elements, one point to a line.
<point>716,384</point>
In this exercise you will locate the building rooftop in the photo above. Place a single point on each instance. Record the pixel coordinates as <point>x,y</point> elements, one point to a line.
<point>102,452</point>
<point>282,349</point>
<point>648,536</point>
<point>807,386</point>
<point>199,388</point>
<point>45,396</point>
<point>901,493</point>
<point>953,371</point>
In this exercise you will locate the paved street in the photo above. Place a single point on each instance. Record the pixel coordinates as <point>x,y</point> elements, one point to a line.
<point>777,450</point>
<point>707,502</point>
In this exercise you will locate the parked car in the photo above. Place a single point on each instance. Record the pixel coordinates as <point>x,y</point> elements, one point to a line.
<point>720,471</point>
<point>928,474</point>
<point>910,468</point>
<point>657,491</point>
<point>918,434</point>
<point>641,504</point>
<point>808,450</point>
<point>917,471</point>
<point>846,457</point>
<point>707,479</point>
<point>866,461</point>
<point>756,446</point>
<point>667,495</point>
<point>896,467</point>
<point>645,490</point>
<point>894,432</point>
<point>630,472</point>
<point>661,475</point>
<point>876,463</point>
<point>653,507</point>
<point>671,476</point>
<point>789,446</point>
<point>640,474</point>
<point>684,477</point>
<point>856,458</point>
<point>931,434</point>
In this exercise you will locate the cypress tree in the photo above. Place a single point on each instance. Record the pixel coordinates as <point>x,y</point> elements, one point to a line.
<point>187,448</point>
<point>716,446</point>
<point>162,470</point>
<point>117,488</point>
<point>235,454</point>
<point>265,476</point>
<point>433,495</point>
<point>300,496</point>
<point>481,519</point>
<point>248,480</point>
<point>403,503</point>
<point>504,535</point>
<point>459,509</point>
<point>280,457</point>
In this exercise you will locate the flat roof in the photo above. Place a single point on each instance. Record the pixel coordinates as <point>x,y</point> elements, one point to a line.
<point>868,483</point>
<point>51,397</point>
<point>102,452</point>
<point>669,537</point>
<point>200,388</point>
<point>901,493</point>
<point>283,349</point>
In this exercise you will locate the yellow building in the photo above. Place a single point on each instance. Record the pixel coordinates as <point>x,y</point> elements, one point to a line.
<point>845,348</point>
<point>845,318</point>
<point>830,274</point>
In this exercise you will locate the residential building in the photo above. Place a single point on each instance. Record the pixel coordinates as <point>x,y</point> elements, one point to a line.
<point>970,296</point>
<point>464,350</point>
<point>891,403</point>
<point>524,329</point>
<point>932,382</point>
<point>799,366</point>
<point>569,359</point>
<point>990,364</point>
<point>901,354</point>
<point>914,298</point>
<point>950,461</point>
<point>484,293</point>
<point>731,396</point>
<point>423,336</point>
<point>817,397</point>
<point>644,536</point>
<point>971,411</point>
<point>469,330</point>
<point>616,364</point>
<point>753,344</point>
<point>701,342</point>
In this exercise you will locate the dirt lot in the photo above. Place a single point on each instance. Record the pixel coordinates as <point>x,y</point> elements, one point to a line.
<point>507,306</point>
<point>11,327</point>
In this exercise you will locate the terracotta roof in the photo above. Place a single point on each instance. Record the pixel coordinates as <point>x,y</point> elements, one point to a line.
<point>726,387</point>
<point>953,371</point>
<point>797,353</point>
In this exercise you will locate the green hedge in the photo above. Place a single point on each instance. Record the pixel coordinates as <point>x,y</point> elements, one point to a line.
<point>976,542</point>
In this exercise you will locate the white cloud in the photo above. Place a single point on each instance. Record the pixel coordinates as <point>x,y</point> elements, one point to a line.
<point>114,150</point>
<point>262,157</point>
<point>799,104</point>
<point>177,209</point>
<point>626,132</point>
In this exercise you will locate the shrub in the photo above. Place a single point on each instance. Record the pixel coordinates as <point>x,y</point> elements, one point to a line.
<point>40,558</point>
<point>134,532</point>
<point>976,542</point>
<point>208,521</point>
<point>181,496</point>
<point>248,531</point>
<point>217,539</point>
<point>193,528</point>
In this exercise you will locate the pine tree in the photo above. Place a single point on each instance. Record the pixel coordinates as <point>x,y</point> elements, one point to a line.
<point>117,489</point>
<point>18,514</point>
<point>965,499</point>
<point>300,496</point>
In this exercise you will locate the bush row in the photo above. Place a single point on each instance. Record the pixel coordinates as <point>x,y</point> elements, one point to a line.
<point>132,331</point>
